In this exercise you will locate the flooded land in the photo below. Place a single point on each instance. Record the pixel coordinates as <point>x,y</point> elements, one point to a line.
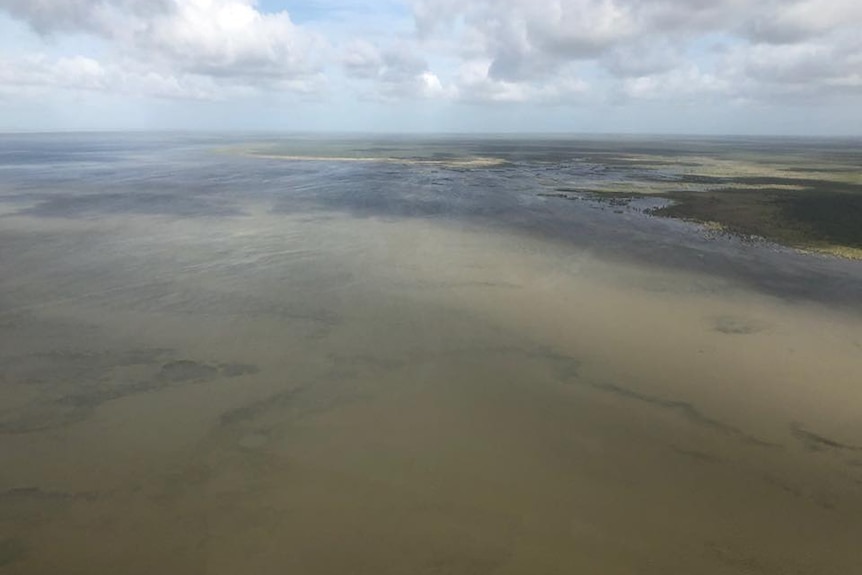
<point>296,355</point>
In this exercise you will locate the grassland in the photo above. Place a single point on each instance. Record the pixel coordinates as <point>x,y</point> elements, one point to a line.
<point>811,203</point>
<point>817,219</point>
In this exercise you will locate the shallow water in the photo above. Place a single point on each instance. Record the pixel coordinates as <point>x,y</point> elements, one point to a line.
<point>213,363</point>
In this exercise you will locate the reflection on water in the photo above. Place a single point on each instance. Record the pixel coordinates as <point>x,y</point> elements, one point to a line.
<point>326,377</point>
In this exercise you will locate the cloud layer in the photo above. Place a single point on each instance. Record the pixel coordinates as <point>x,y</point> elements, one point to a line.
<point>575,53</point>
<point>658,48</point>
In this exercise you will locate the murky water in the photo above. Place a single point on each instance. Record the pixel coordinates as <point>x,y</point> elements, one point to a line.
<point>219,364</point>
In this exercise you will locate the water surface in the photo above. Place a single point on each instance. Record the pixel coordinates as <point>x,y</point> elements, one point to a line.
<point>217,363</point>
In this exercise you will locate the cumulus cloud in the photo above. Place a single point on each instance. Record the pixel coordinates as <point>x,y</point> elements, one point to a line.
<point>98,16</point>
<point>229,38</point>
<point>476,82</point>
<point>479,51</point>
<point>40,75</point>
<point>777,22</point>
<point>643,58</point>
<point>526,39</point>
<point>191,43</point>
<point>813,70</point>
<point>650,49</point>
<point>687,83</point>
<point>392,73</point>
<point>34,72</point>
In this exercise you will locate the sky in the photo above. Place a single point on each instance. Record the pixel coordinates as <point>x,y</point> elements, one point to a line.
<point>771,67</point>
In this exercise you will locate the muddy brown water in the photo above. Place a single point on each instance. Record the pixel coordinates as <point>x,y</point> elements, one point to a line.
<point>297,394</point>
<point>217,365</point>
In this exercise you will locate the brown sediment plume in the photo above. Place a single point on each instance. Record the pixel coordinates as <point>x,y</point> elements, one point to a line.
<point>470,401</point>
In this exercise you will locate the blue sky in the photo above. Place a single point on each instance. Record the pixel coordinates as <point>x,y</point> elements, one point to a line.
<point>629,66</point>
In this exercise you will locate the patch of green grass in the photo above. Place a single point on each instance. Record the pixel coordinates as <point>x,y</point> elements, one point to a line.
<point>813,219</point>
<point>814,206</point>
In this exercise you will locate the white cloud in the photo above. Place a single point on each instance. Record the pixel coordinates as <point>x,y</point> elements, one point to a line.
<point>396,72</point>
<point>550,52</point>
<point>812,70</point>
<point>185,46</point>
<point>526,39</point>
<point>40,75</point>
<point>778,22</point>
<point>642,58</point>
<point>649,49</point>
<point>96,16</point>
<point>477,83</point>
<point>687,83</point>
<point>430,86</point>
<point>229,38</point>
<point>38,72</point>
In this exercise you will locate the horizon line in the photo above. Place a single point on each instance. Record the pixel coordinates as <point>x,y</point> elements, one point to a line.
<point>396,134</point>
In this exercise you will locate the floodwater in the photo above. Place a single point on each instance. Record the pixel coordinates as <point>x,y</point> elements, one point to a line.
<point>219,363</point>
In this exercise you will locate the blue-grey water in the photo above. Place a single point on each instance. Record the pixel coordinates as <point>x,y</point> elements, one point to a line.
<point>266,354</point>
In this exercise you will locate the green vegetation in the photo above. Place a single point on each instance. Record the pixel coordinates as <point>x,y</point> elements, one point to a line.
<point>810,219</point>
<point>808,203</point>
<point>802,194</point>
